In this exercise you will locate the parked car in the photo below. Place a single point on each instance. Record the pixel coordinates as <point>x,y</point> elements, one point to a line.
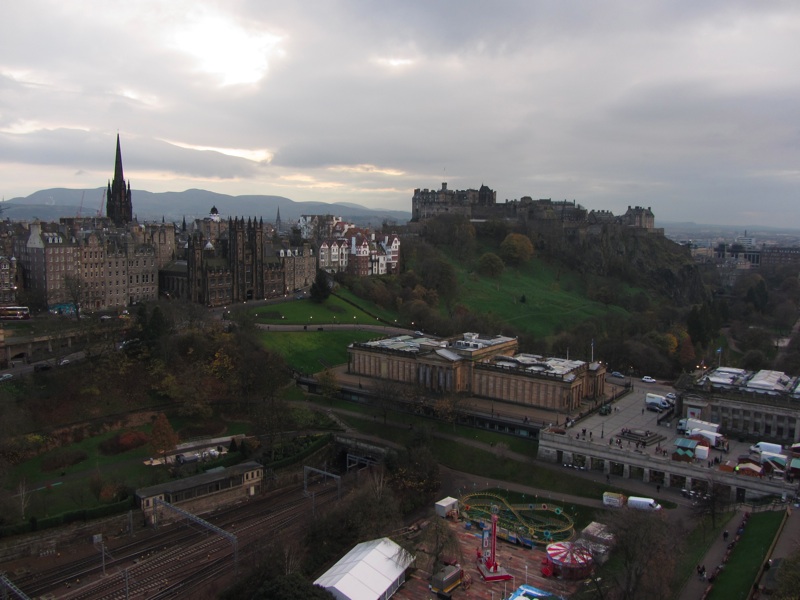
<point>654,408</point>
<point>62,362</point>
<point>41,367</point>
<point>618,375</point>
<point>648,379</point>
<point>6,377</point>
<point>671,396</point>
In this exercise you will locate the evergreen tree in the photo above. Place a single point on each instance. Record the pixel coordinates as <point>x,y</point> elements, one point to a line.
<point>321,288</point>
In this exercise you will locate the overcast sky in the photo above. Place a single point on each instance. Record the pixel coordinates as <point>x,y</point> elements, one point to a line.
<point>690,108</point>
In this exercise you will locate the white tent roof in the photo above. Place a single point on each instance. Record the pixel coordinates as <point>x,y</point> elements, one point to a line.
<point>367,571</point>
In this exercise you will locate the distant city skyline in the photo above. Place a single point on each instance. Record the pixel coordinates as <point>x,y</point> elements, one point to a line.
<point>687,108</point>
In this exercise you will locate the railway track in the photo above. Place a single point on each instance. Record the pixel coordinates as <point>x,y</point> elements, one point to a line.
<point>180,558</point>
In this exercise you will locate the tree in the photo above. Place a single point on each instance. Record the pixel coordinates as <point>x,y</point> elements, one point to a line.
<point>448,408</point>
<point>387,394</point>
<point>646,546</point>
<point>490,265</point>
<point>328,384</point>
<point>713,503</point>
<point>516,249</point>
<point>321,288</point>
<point>74,290</point>
<point>687,356</point>
<point>440,275</point>
<point>442,543</point>
<point>163,438</point>
<point>291,587</point>
<point>25,494</point>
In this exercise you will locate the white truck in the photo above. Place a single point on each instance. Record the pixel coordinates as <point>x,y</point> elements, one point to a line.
<point>715,440</point>
<point>613,499</point>
<point>656,401</point>
<point>685,425</point>
<point>760,447</point>
<point>641,503</point>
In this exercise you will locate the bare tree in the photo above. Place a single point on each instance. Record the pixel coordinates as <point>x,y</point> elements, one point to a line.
<point>74,291</point>
<point>713,502</point>
<point>328,384</point>
<point>25,495</point>
<point>387,394</point>
<point>442,544</point>
<point>646,545</point>
<point>449,407</point>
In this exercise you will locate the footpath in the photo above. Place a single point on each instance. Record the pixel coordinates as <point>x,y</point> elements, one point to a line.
<point>787,542</point>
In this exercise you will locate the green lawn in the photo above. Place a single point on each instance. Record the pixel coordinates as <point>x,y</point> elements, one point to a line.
<point>334,310</point>
<point>313,351</point>
<point>747,557</point>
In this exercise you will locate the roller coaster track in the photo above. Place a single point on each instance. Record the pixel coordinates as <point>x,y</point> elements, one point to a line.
<point>545,528</point>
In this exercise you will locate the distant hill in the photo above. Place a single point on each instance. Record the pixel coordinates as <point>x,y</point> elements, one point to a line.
<point>52,204</point>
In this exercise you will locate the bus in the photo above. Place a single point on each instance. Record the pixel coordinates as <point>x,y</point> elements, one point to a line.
<point>14,313</point>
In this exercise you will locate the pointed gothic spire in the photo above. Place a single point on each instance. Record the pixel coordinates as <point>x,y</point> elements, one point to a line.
<point>118,176</point>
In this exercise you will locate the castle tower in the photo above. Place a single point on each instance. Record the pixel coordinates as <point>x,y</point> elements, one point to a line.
<point>118,197</point>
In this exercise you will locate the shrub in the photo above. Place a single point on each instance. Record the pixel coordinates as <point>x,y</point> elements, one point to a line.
<point>65,458</point>
<point>122,442</point>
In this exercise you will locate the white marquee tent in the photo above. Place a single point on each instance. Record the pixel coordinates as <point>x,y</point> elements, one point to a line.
<point>372,570</point>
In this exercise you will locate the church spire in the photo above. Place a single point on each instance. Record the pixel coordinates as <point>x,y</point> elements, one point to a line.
<point>118,176</point>
<point>119,207</point>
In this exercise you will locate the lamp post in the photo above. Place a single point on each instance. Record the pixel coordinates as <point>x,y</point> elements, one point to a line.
<point>526,574</point>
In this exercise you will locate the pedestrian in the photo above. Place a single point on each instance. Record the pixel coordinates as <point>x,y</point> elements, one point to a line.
<point>658,488</point>
<point>590,435</point>
<point>725,535</point>
<point>642,411</point>
<point>608,478</point>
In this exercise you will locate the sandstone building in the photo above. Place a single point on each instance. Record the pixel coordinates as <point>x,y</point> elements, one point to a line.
<point>487,367</point>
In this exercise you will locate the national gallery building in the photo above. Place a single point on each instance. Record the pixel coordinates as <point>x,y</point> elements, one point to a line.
<point>486,367</point>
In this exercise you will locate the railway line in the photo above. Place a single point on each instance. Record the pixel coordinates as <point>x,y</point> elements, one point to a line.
<point>182,556</point>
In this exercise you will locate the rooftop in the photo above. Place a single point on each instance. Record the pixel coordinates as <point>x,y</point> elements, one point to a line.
<point>764,381</point>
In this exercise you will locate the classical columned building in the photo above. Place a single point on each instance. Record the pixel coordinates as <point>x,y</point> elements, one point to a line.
<point>487,367</point>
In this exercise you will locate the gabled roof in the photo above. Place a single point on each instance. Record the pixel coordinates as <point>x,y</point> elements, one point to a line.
<point>367,571</point>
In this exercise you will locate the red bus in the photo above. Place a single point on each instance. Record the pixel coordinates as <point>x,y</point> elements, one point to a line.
<point>14,313</point>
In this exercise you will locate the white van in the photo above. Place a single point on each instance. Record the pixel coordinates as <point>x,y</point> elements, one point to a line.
<point>766,447</point>
<point>656,401</point>
<point>640,503</point>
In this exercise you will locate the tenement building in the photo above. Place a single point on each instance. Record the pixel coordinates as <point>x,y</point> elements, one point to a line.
<point>762,405</point>
<point>95,263</point>
<point>487,367</point>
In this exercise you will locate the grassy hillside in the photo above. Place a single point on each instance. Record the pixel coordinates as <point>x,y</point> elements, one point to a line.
<point>552,301</point>
<point>313,351</point>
